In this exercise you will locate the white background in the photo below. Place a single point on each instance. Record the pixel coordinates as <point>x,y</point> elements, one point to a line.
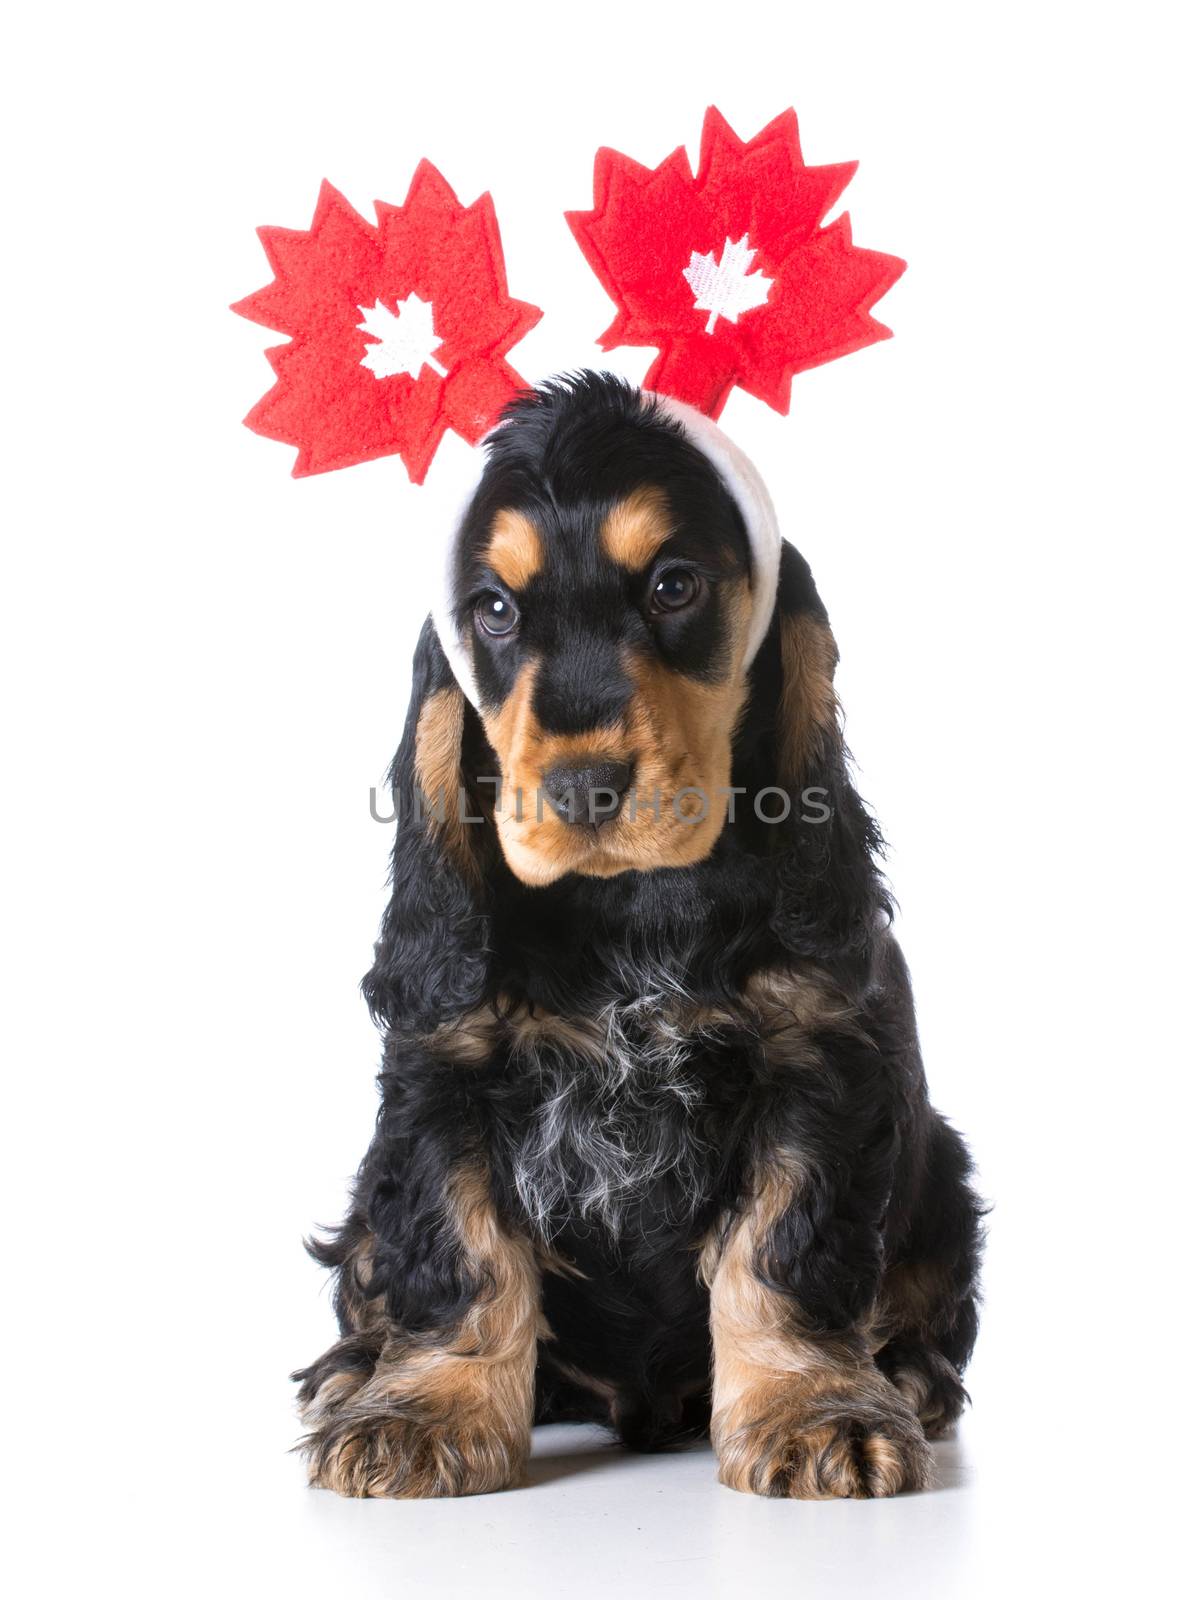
<point>206,669</point>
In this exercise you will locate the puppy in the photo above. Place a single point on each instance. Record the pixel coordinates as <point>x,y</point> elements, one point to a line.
<point>654,1145</point>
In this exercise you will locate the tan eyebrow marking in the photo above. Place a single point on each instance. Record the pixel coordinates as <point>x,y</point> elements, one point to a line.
<point>514,548</point>
<point>635,531</point>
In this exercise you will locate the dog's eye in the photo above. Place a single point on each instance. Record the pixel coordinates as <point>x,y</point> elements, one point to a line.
<point>496,615</point>
<point>674,590</point>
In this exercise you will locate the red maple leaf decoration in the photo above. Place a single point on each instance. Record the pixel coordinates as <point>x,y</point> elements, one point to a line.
<point>327,400</point>
<point>647,228</point>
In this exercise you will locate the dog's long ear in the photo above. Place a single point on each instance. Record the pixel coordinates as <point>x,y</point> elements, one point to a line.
<point>831,893</point>
<point>430,961</point>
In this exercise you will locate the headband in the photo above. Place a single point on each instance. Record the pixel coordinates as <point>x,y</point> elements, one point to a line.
<point>399,329</point>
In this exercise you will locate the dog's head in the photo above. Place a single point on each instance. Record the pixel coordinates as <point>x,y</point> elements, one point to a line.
<point>602,595</point>
<point>617,650</point>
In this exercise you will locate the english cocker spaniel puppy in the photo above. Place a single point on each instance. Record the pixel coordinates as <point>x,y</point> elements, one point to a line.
<point>654,1145</point>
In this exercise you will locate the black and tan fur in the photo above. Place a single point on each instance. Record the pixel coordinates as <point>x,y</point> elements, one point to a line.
<point>654,1144</point>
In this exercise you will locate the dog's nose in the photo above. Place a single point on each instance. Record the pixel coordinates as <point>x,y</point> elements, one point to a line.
<point>590,793</point>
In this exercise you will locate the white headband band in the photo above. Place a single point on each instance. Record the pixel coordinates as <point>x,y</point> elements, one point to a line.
<point>739,476</point>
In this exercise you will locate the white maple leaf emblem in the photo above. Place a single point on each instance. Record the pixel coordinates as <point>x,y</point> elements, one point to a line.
<point>726,287</point>
<point>406,338</point>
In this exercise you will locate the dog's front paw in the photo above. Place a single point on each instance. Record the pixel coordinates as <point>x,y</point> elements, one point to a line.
<point>369,1453</point>
<point>845,1444</point>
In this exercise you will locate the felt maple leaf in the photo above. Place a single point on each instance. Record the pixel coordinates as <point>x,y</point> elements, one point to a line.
<point>785,292</point>
<point>429,280</point>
